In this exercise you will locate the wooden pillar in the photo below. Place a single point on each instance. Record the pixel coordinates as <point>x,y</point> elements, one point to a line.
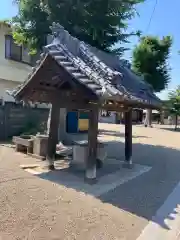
<point>62,135</point>
<point>128,138</point>
<point>53,134</point>
<point>90,175</point>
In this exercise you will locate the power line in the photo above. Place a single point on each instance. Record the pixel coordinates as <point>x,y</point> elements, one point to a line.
<point>152,15</point>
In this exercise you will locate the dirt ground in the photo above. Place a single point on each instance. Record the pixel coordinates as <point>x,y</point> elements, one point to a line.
<point>34,208</point>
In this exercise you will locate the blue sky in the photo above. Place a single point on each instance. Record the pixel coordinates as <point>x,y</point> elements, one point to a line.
<point>165,22</point>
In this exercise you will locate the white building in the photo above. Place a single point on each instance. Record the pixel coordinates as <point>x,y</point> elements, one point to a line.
<point>15,62</point>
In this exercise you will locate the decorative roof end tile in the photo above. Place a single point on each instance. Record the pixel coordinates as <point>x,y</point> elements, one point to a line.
<point>56,29</point>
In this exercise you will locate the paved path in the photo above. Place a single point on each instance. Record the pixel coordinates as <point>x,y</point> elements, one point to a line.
<point>166,223</point>
<point>33,208</point>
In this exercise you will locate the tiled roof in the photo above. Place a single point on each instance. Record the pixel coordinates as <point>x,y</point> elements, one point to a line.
<point>101,72</point>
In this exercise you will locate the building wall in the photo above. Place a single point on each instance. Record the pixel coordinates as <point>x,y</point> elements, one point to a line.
<point>107,119</point>
<point>11,72</point>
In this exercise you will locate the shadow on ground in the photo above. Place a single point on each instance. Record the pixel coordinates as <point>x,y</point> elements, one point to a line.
<point>117,134</point>
<point>172,129</point>
<point>143,195</point>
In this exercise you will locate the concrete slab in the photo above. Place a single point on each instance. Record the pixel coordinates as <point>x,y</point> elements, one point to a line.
<point>165,224</point>
<point>107,181</point>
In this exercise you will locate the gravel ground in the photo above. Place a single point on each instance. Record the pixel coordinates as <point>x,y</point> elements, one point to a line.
<point>33,208</point>
<point>155,147</point>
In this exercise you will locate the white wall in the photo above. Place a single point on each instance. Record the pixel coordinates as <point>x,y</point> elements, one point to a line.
<point>11,70</point>
<point>110,119</point>
<point>12,73</point>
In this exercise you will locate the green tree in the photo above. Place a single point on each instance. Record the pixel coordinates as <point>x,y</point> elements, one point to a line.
<point>101,23</point>
<point>174,104</point>
<point>150,60</point>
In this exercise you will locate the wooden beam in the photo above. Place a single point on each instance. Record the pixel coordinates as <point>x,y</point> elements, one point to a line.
<point>53,134</point>
<point>90,175</point>
<point>128,139</point>
<point>114,107</point>
<point>65,99</point>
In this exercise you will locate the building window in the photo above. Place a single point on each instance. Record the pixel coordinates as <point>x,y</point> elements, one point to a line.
<point>16,52</point>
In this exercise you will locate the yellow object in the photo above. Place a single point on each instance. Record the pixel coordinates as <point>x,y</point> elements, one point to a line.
<point>83,124</point>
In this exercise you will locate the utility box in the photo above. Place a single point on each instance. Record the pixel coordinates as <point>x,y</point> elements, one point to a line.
<point>80,153</point>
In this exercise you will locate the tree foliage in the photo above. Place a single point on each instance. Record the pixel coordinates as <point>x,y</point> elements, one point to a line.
<point>101,23</point>
<point>174,100</point>
<point>174,103</point>
<point>150,59</point>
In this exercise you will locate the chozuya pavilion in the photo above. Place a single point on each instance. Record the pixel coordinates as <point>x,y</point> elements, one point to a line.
<point>74,75</point>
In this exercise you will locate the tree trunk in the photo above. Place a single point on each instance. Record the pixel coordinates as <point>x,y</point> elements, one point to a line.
<point>148,118</point>
<point>162,117</point>
<point>176,122</point>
